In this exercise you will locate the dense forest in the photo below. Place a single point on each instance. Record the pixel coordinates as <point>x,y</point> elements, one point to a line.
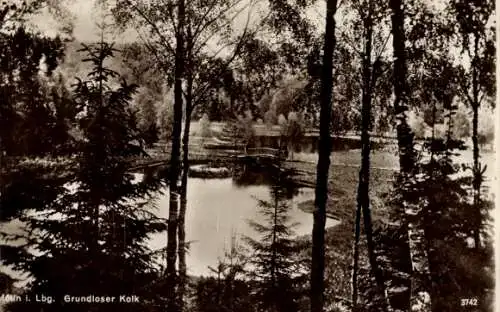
<point>365,127</point>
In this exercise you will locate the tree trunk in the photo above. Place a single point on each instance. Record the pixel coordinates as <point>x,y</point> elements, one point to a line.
<point>433,288</point>
<point>219,286</point>
<point>321,192</point>
<point>355,258</point>
<point>476,176</point>
<point>232,100</point>
<point>404,133</point>
<point>172,305</point>
<point>419,296</point>
<point>475,145</point>
<point>183,192</point>
<point>364,173</point>
<point>275,229</point>
<point>182,249</point>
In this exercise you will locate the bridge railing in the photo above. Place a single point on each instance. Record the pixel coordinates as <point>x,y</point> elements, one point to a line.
<point>266,151</point>
<point>262,150</point>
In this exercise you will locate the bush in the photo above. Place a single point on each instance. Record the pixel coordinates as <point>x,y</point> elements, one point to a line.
<point>282,120</point>
<point>165,120</point>
<point>270,118</point>
<point>205,130</point>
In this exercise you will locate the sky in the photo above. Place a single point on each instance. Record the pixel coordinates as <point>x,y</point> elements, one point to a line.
<point>84,14</point>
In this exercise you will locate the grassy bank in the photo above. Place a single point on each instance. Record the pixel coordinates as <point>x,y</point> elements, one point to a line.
<point>341,205</point>
<point>343,185</point>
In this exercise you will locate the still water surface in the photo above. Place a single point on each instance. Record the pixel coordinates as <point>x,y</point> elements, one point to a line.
<point>216,208</point>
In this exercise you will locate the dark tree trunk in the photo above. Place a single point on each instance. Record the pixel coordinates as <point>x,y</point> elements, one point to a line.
<point>404,133</point>
<point>399,83</point>
<point>355,258</point>
<point>426,213</point>
<point>321,193</point>
<point>433,286</point>
<point>476,176</point>
<point>363,198</point>
<point>419,278</point>
<point>475,145</point>
<point>232,100</point>
<point>172,305</point>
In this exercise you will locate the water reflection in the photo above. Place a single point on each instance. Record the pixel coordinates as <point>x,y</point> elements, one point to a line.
<point>218,208</point>
<point>269,174</point>
<point>26,189</point>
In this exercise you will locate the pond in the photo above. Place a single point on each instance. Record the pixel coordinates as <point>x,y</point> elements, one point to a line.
<point>219,208</point>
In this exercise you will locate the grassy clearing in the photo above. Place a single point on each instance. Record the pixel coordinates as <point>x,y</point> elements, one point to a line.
<point>343,185</point>
<point>379,158</point>
<point>342,204</point>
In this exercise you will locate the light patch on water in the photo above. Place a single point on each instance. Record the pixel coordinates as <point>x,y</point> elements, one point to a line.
<point>216,210</point>
<point>138,177</point>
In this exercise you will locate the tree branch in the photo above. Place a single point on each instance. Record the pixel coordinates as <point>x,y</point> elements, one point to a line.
<point>382,48</point>
<point>376,63</point>
<point>483,94</point>
<point>350,44</point>
<point>465,91</point>
<point>197,30</point>
<point>380,75</point>
<point>170,15</point>
<point>164,40</point>
<point>204,43</point>
<point>202,27</point>
<point>154,51</point>
<point>231,59</point>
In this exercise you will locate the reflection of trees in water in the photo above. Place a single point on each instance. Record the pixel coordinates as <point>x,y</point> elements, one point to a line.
<point>270,174</point>
<point>267,272</point>
<point>29,186</point>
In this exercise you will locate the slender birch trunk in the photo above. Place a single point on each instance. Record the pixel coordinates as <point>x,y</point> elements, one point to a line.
<point>172,304</point>
<point>183,192</point>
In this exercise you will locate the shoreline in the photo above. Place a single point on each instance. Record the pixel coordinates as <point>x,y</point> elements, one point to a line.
<point>308,207</point>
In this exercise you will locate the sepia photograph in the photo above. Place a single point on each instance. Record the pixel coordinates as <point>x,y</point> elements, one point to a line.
<point>248,155</point>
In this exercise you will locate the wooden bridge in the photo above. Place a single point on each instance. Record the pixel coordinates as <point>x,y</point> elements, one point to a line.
<point>147,163</point>
<point>260,153</point>
<point>263,152</point>
<point>163,160</point>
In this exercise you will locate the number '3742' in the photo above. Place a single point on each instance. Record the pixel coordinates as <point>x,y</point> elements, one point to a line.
<point>468,302</point>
